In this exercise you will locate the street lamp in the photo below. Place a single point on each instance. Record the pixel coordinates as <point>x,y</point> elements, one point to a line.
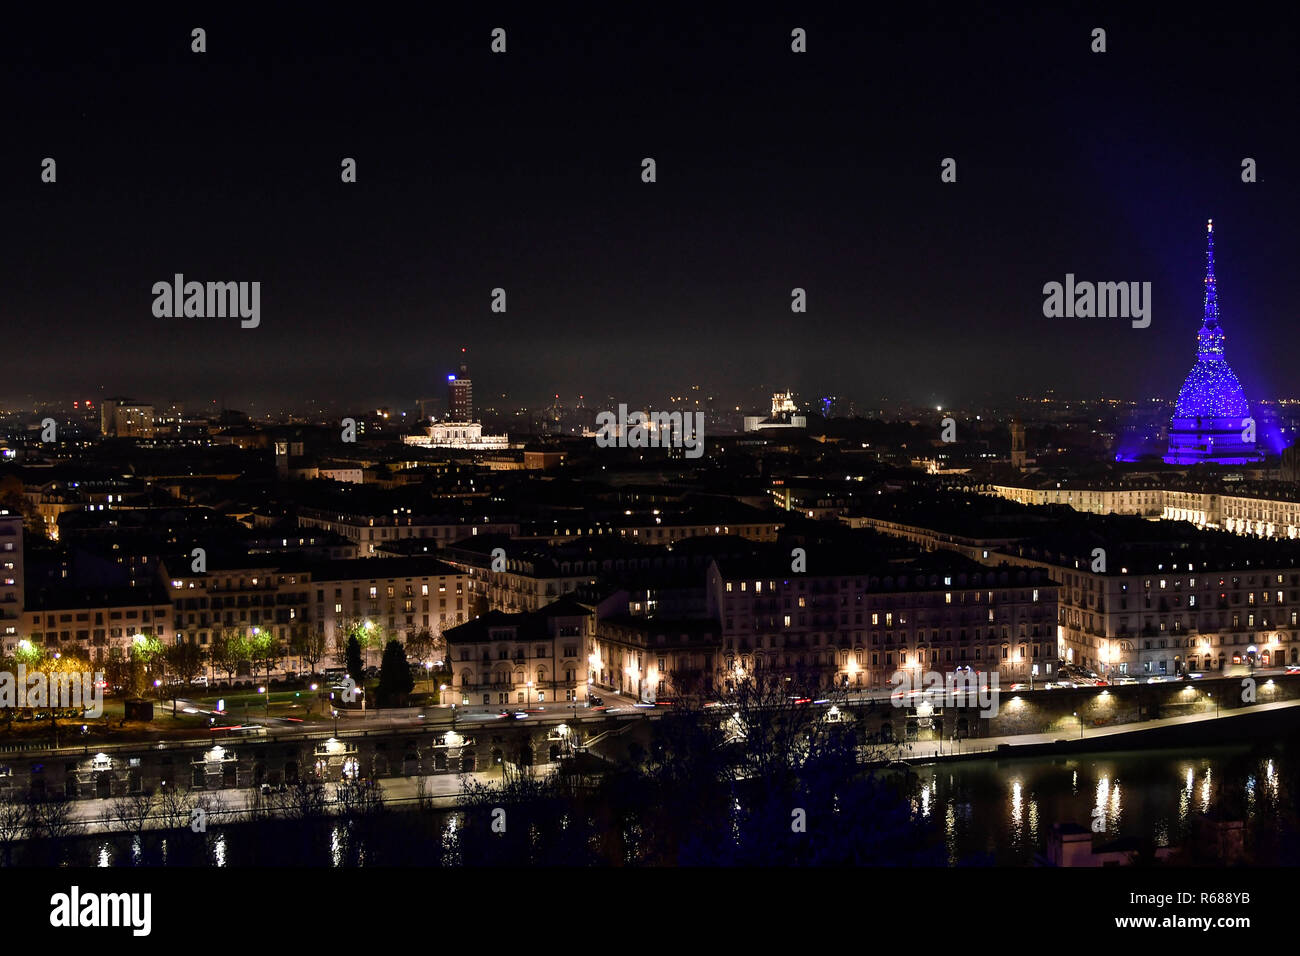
<point>336,722</point>
<point>1076,713</point>
<point>262,690</point>
<point>528,699</point>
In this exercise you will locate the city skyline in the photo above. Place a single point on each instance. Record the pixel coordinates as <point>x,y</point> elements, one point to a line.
<point>443,440</point>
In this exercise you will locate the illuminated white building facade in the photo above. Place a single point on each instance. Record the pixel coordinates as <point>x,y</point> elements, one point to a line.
<point>467,435</point>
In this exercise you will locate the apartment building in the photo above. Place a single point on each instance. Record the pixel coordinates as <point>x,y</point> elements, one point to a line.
<point>251,596</point>
<point>654,658</point>
<point>11,578</point>
<point>371,532</point>
<point>527,659</point>
<point>854,622</point>
<point>95,623</point>
<point>401,595</point>
<point>1163,615</point>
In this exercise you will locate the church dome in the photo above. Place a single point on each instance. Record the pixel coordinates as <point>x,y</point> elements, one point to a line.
<point>1211,390</point>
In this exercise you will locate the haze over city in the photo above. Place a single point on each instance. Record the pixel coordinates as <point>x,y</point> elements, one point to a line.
<point>522,172</point>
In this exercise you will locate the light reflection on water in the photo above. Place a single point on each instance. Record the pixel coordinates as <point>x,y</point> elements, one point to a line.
<point>1017,811</point>
<point>1003,811</point>
<point>336,846</point>
<point>986,811</point>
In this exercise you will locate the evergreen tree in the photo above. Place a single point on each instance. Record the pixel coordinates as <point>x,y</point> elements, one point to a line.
<point>353,656</point>
<point>395,681</point>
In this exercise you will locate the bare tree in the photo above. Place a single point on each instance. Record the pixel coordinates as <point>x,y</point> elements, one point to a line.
<point>420,645</point>
<point>129,814</point>
<point>309,645</point>
<point>359,798</point>
<point>777,730</point>
<point>423,800</point>
<point>176,807</point>
<point>301,800</point>
<point>14,821</point>
<point>50,824</point>
<point>185,661</point>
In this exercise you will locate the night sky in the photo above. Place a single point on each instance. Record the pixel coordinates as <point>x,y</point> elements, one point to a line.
<point>522,170</point>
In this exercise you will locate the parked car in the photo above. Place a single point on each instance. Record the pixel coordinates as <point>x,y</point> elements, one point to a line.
<point>594,701</point>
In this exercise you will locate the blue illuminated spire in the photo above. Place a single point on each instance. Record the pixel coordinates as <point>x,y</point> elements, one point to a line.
<point>1211,422</point>
<point>1210,338</point>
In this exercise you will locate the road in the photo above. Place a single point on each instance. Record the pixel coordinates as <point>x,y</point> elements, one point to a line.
<point>440,716</point>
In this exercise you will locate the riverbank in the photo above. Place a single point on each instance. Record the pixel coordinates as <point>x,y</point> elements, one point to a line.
<point>1231,726</point>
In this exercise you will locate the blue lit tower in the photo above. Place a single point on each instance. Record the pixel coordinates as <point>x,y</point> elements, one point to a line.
<point>1212,418</point>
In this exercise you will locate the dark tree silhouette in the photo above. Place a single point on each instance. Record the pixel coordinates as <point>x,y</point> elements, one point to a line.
<point>395,682</point>
<point>352,655</point>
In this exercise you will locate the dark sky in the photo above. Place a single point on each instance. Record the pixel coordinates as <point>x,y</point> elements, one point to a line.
<point>523,171</point>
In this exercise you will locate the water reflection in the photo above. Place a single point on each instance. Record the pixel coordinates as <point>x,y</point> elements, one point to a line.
<point>1006,809</point>
<point>1017,813</point>
<point>984,811</point>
